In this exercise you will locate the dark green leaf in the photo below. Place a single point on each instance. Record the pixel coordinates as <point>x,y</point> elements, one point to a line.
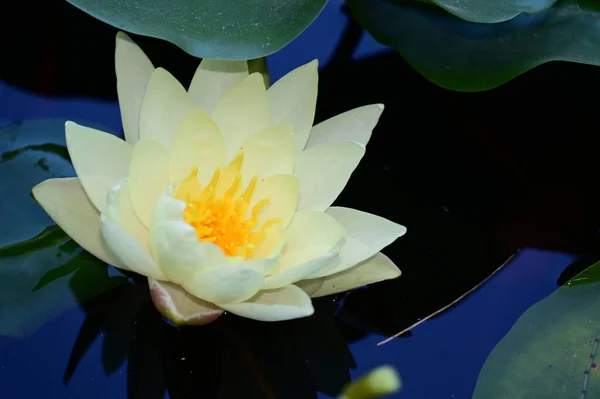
<point>32,263</point>
<point>486,11</point>
<point>223,29</point>
<point>466,56</point>
<point>549,351</point>
<point>589,275</point>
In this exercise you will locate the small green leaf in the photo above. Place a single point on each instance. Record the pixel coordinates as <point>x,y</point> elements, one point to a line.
<point>589,275</point>
<point>467,56</point>
<point>551,352</point>
<point>486,11</point>
<point>222,29</point>
<point>34,266</point>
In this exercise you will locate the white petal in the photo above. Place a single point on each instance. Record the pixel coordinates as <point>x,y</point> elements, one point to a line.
<point>285,303</point>
<point>213,79</point>
<point>283,192</point>
<point>354,125</point>
<point>131,252</point>
<point>242,112</point>
<point>181,307</point>
<point>296,273</point>
<point>129,220</point>
<point>165,106</point>
<point>226,284</point>
<point>148,177</point>
<point>197,143</point>
<point>90,151</point>
<point>293,99</point>
<point>311,245</point>
<point>366,235</point>
<point>68,205</point>
<point>324,171</point>
<point>133,71</point>
<point>375,269</point>
<point>269,152</point>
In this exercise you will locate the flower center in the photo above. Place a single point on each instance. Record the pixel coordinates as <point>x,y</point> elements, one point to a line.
<point>225,219</point>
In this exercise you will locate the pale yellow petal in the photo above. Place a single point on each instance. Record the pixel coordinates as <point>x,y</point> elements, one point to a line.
<point>226,285</point>
<point>283,192</point>
<point>70,208</point>
<point>285,303</point>
<point>148,177</point>
<point>269,152</point>
<point>198,143</point>
<point>133,254</point>
<point>133,71</point>
<point>284,277</point>
<point>324,171</point>
<point>375,269</point>
<point>176,248</point>
<point>310,235</point>
<point>165,106</point>
<point>181,307</point>
<point>242,112</point>
<point>366,235</point>
<point>354,125</point>
<point>100,160</point>
<point>129,220</point>
<point>213,78</point>
<point>293,99</point>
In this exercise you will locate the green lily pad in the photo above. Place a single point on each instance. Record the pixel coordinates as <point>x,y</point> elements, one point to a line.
<point>486,11</point>
<point>552,350</point>
<point>466,56</point>
<point>222,29</point>
<point>42,272</point>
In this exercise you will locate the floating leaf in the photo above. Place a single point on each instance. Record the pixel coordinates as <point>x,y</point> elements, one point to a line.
<point>467,56</point>
<point>35,255</point>
<point>487,11</point>
<point>223,29</point>
<point>552,350</point>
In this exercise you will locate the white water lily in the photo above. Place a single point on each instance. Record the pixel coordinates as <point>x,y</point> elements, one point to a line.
<point>221,195</point>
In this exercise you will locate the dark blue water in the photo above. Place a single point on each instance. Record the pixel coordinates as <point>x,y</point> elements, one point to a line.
<point>460,171</point>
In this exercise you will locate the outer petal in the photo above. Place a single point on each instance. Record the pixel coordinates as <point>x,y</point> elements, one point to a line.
<point>293,99</point>
<point>132,253</point>
<point>366,235</point>
<point>68,205</point>
<point>324,171</point>
<point>180,307</point>
<point>148,177</point>
<point>311,241</point>
<point>165,106</point>
<point>197,143</point>
<point>269,152</point>
<point>242,112</point>
<point>283,192</point>
<point>213,79</point>
<point>89,150</point>
<point>374,269</point>
<point>285,303</point>
<point>354,125</point>
<point>133,70</point>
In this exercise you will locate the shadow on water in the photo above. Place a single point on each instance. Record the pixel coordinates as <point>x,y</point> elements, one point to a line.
<point>475,177</point>
<point>292,360</point>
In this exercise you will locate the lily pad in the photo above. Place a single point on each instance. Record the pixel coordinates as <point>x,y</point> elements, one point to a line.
<point>37,259</point>
<point>552,351</point>
<point>222,29</point>
<point>486,11</point>
<point>466,56</point>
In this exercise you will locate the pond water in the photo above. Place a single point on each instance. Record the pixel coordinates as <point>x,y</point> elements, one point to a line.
<point>476,178</point>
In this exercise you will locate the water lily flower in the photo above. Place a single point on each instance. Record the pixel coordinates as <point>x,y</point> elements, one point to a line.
<point>221,195</point>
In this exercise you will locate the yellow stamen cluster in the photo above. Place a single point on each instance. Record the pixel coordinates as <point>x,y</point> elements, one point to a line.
<point>224,220</point>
